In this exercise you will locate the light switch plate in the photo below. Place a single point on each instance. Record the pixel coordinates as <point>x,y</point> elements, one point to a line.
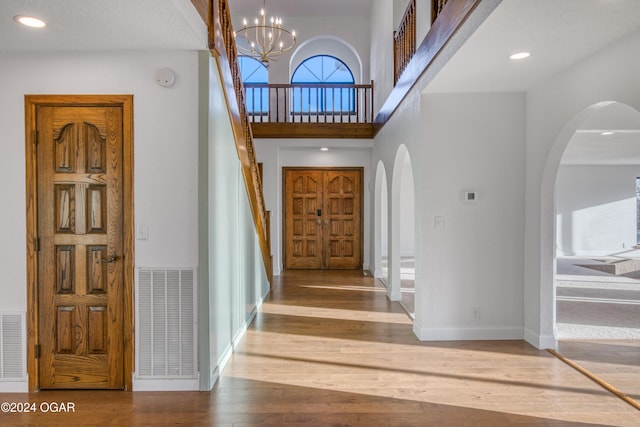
<point>142,231</point>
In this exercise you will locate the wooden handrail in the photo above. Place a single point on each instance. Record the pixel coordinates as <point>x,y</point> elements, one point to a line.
<point>216,14</point>
<point>309,103</point>
<point>404,41</point>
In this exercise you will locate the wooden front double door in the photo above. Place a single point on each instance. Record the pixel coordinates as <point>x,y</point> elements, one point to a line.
<point>323,218</point>
<point>79,204</point>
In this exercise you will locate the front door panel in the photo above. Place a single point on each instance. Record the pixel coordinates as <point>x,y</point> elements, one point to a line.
<point>323,212</point>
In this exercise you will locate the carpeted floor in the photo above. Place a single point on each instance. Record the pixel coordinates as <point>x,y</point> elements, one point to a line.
<point>593,304</point>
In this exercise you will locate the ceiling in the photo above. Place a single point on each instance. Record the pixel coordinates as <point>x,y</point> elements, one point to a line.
<point>301,8</point>
<point>589,146</point>
<point>102,25</point>
<point>557,33</point>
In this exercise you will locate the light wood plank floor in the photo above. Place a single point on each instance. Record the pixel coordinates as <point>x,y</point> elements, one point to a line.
<point>328,349</point>
<point>617,362</point>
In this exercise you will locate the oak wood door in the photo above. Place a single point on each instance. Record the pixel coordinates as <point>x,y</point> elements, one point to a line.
<point>303,203</point>
<point>80,227</point>
<point>342,216</point>
<point>323,211</point>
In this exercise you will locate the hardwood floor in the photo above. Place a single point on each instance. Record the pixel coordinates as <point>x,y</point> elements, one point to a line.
<point>329,349</point>
<point>616,362</point>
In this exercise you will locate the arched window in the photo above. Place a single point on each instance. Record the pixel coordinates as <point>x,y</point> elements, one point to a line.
<point>322,70</point>
<point>254,75</point>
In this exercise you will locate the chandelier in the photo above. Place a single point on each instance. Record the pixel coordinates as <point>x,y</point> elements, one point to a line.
<point>265,40</point>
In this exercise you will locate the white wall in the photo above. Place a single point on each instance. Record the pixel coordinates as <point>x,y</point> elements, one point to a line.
<point>399,7</point>
<point>476,255</point>
<point>235,281</point>
<point>407,212</point>
<point>381,39</point>
<point>276,154</point>
<point>423,19</point>
<point>555,109</point>
<point>380,230</point>
<point>596,209</point>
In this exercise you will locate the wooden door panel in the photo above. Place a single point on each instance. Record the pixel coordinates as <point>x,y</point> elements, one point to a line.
<point>342,195</point>
<point>303,233</point>
<point>333,238</point>
<point>80,222</point>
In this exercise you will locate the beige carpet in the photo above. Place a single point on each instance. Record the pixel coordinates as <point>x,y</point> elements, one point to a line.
<point>594,304</point>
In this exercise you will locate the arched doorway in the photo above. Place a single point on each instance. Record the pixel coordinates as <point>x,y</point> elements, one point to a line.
<point>597,268</point>
<point>402,265</point>
<point>381,226</point>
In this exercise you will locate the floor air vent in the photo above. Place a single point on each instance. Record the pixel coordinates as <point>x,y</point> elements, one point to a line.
<point>166,324</point>
<point>12,346</point>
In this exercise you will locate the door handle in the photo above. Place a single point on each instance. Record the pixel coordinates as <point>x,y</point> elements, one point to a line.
<point>319,221</point>
<point>326,222</point>
<point>109,260</point>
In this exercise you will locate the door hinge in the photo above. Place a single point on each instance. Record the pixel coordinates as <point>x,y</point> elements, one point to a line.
<point>37,242</point>
<point>37,351</point>
<point>35,137</point>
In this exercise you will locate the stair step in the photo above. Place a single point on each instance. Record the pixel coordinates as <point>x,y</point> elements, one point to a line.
<point>616,266</point>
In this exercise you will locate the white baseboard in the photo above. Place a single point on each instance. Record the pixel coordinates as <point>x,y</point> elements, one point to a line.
<point>467,334</point>
<point>393,296</point>
<point>541,342</point>
<point>21,386</point>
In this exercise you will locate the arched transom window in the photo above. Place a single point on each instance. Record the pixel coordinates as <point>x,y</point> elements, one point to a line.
<point>319,79</point>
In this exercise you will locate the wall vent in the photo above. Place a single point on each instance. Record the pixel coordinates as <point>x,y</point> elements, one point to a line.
<point>12,346</point>
<point>166,323</point>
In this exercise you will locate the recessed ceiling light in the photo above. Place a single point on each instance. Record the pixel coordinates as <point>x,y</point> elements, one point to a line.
<point>324,149</point>
<point>30,21</point>
<point>520,55</point>
<point>607,133</point>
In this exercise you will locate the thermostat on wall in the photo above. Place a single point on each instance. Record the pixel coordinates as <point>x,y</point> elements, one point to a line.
<point>470,196</point>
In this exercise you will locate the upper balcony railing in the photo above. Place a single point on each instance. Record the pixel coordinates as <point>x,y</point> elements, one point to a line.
<point>404,41</point>
<point>309,103</point>
<point>436,9</point>
<point>316,110</point>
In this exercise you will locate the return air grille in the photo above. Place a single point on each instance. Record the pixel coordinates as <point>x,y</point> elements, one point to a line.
<point>166,323</point>
<point>12,346</point>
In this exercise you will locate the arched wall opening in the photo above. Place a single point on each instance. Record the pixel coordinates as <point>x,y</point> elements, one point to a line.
<point>402,243</point>
<point>596,227</point>
<point>548,219</point>
<point>381,226</point>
